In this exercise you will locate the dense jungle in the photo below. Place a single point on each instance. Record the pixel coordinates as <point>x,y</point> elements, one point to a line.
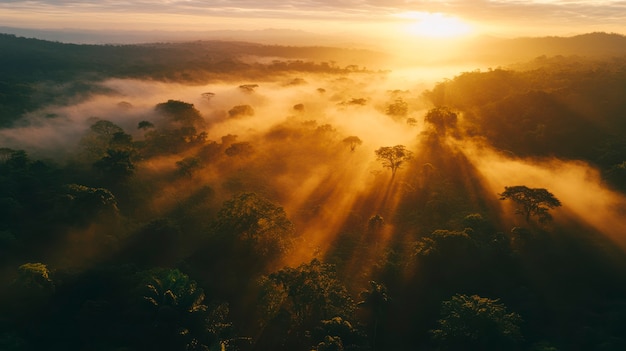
<point>216,195</point>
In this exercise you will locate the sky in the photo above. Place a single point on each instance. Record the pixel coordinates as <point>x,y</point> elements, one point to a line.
<point>427,18</point>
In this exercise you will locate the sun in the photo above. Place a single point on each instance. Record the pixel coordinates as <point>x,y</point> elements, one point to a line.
<point>434,25</point>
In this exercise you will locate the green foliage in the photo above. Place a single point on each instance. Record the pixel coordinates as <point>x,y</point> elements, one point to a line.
<point>82,204</point>
<point>445,243</point>
<point>567,280</point>
<point>531,201</point>
<point>116,164</point>
<point>543,108</point>
<point>255,225</point>
<point>18,160</point>
<point>103,136</point>
<point>154,244</point>
<point>309,293</point>
<point>176,313</point>
<point>170,288</point>
<point>477,323</point>
<point>339,331</point>
<point>34,280</point>
<point>180,128</point>
<point>180,112</point>
<point>376,299</point>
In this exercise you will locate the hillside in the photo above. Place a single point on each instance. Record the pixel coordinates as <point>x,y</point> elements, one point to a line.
<point>29,66</point>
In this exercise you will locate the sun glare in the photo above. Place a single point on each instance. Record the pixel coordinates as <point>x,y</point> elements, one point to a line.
<point>434,25</point>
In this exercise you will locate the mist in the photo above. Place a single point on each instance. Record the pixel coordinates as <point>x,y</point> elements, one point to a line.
<point>579,186</point>
<point>237,199</point>
<point>316,171</point>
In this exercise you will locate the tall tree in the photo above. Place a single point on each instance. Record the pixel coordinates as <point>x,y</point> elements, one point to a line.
<point>399,108</point>
<point>255,225</point>
<point>531,201</point>
<point>116,164</point>
<point>376,302</point>
<point>173,310</point>
<point>353,141</point>
<point>441,118</point>
<point>309,293</point>
<point>393,157</point>
<point>477,323</point>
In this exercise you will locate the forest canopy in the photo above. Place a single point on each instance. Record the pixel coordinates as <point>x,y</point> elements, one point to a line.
<point>185,196</point>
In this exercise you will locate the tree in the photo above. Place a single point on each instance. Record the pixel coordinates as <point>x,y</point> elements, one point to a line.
<point>441,118</point>
<point>173,308</point>
<point>188,165</point>
<point>443,244</point>
<point>375,223</point>
<point>208,96</point>
<point>243,148</point>
<point>179,111</point>
<point>531,201</point>
<point>353,141</point>
<point>398,108</point>
<point>241,110</point>
<point>100,137</point>
<point>477,323</point>
<point>310,293</point>
<point>336,332</point>
<point>105,128</point>
<point>393,157</point>
<point>255,225</point>
<point>376,302</point>
<point>116,164</point>
<point>81,204</point>
<point>34,276</point>
<point>248,88</point>
<point>145,125</point>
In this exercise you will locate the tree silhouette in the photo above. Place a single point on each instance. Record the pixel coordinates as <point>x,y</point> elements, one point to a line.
<point>476,323</point>
<point>173,308</point>
<point>310,293</point>
<point>116,164</point>
<point>242,149</point>
<point>255,225</point>
<point>398,108</point>
<point>241,111</point>
<point>531,201</point>
<point>441,118</point>
<point>353,141</point>
<point>376,301</point>
<point>337,332</point>
<point>145,125</point>
<point>393,157</point>
<point>188,165</point>
<point>100,137</point>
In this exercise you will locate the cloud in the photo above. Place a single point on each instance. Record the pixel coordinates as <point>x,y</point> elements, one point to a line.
<point>358,17</point>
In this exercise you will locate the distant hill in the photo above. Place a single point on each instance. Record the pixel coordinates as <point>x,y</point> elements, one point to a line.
<point>594,45</point>
<point>26,63</point>
<point>273,36</point>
